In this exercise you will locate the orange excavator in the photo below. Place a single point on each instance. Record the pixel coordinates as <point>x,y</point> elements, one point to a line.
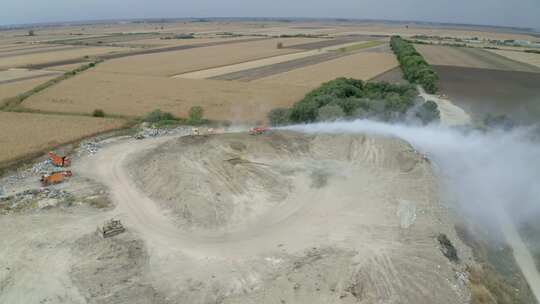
<point>59,161</point>
<point>54,178</point>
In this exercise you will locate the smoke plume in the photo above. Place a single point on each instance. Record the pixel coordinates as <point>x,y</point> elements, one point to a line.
<point>480,171</point>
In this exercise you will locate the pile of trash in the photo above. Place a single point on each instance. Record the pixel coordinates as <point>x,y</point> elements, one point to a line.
<point>35,199</point>
<point>148,132</point>
<point>89,147</point>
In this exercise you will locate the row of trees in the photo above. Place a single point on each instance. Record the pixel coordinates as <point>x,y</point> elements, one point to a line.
<point>414,67</point>
<point>345,98</point>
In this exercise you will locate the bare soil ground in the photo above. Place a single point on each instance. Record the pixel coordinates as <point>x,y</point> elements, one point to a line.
<point>364,65</point>
<point>471,58</point>
<point>24,133</point>
<point>135,95</point>
<point>483,91</point>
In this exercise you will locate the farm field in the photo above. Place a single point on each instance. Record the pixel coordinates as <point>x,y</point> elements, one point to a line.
<point>24,133</point>
<point>196,59</point>
<point>135,95</point>
<point>471,57</point>
<point>44,57</point>
<point>13,89</point>
<point>14,75</point>
<point>364,65</point>
<point>498,92</point>
<point>528,58</point>
<point>259,68</point>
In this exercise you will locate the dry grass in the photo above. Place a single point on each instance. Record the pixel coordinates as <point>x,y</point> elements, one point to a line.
<point>23,133</point>
<point>135,95</point>
<point>39,58</point>
<point>529,58</point>
<point>177,62</point>
<point>360,66</point>
<point>15,88</point>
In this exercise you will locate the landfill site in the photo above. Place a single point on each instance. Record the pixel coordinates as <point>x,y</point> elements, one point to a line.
<point>232,218</point>
<point>269,161</point>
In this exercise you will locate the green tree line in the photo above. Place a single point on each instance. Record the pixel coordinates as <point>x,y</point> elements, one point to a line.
<point>414,67</point>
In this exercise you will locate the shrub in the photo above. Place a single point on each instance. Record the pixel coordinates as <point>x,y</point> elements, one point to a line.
<point>157,115</point>
<point>383,100</point>
<point>428,112</point>
<point>279,116</point>
<point>98,113</point>
<point>196,115</point>
<point>330,112</point>
<point>279,45</point>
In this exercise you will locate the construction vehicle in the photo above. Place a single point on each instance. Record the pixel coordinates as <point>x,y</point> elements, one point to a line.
<point>59,161</point>
<point>54,178</point>
<point>258,130</point>
<point>111,228</point>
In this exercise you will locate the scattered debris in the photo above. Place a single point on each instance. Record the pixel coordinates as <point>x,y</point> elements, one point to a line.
<point>111,228</point>
<point>35,198</point>
<point>91,147</point>
<point>147,132</point>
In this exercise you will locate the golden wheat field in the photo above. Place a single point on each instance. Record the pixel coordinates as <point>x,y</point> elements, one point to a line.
<point>25,133</point>
<point>135,95</point>
<point>364,65</point>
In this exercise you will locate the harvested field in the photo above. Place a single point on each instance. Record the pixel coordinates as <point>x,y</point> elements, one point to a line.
<point>196,59</point>
<point>471,58</point>
<point>255,69</point>
<point>135,95</point>
<point>255,73</point>
<point>528,58</point>
<point>40,58</point>
<point>365,65</point>
<point>314,45</point>
<point>23,133</point>
<point>13,89</point>
<point>483,91</point>
<point>15,75</point>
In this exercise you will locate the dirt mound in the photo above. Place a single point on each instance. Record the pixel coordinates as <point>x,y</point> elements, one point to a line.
<point>294,218</point>
<point>224,182</point>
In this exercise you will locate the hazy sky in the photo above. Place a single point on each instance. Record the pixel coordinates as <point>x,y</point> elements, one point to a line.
<point>523,13</point>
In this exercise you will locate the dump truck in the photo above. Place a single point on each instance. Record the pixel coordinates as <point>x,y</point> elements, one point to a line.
<point>111,228</point>
<point>54,178</point>
<point>59,161</point>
